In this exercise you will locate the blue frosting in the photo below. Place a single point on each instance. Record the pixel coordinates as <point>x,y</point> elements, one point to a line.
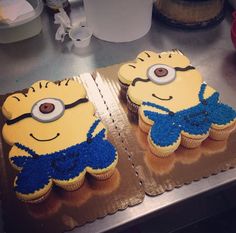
<point>96,152</point>
<point>196,120</point>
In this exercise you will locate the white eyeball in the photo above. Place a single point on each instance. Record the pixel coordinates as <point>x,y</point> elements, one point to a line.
<point>161,74</point>
<point>47,110</point>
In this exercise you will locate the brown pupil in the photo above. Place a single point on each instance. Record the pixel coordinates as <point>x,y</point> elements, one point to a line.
<point>46,108</point>
<point>161,72</point>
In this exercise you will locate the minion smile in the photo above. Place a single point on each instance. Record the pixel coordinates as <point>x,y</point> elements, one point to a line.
<point>164,99</point>
<point>44,140</point>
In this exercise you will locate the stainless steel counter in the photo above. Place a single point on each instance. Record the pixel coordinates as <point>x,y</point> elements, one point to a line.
<point>42,57</point>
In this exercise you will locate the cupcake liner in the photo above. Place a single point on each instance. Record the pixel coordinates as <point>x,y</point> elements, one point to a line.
<point>192,142</point>
<point>163,151</point>
<point>38,200</point>
<point>74,186</point>
<point>132,106</point>
<point>105,175</point>
<point>221,134</point>
<point>143,125</point>
<point>124,89</point>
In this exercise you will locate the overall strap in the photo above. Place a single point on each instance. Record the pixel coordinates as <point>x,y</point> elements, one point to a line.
<point>156,106</point>
<point>201,92</point>
<point>27,149</point>
<point>92,129</point>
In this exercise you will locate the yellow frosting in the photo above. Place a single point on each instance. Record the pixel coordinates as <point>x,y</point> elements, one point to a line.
<point>67,127</point>
<point>73,126</point>
<point>184,89</point>
<point>127,73</point>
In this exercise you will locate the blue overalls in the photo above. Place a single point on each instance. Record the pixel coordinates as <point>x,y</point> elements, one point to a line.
<point>37,170</point>
<point>196,120</point>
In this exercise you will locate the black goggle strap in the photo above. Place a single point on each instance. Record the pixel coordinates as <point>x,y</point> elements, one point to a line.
<point>27,115</point>
<point>184,68</point>
<point>139,79</point>
<point>19,118</point>
<point>176,69</point>
<point>77,102</point>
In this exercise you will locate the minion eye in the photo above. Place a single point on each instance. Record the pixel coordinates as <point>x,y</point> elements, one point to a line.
<point>47,110</point>
<point>161,74</point>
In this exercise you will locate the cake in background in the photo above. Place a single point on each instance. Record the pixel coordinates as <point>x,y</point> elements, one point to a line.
<point>190,13</point>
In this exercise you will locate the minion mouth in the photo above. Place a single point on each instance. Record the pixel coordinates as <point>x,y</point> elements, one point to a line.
<point>163,99</point>
<point>44,140</point>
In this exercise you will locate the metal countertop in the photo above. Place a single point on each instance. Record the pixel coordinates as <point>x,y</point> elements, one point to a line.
<point>41,57</point>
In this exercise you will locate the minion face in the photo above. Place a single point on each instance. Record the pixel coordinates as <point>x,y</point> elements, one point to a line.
<point>49,117</point>
<point>167,79</point>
